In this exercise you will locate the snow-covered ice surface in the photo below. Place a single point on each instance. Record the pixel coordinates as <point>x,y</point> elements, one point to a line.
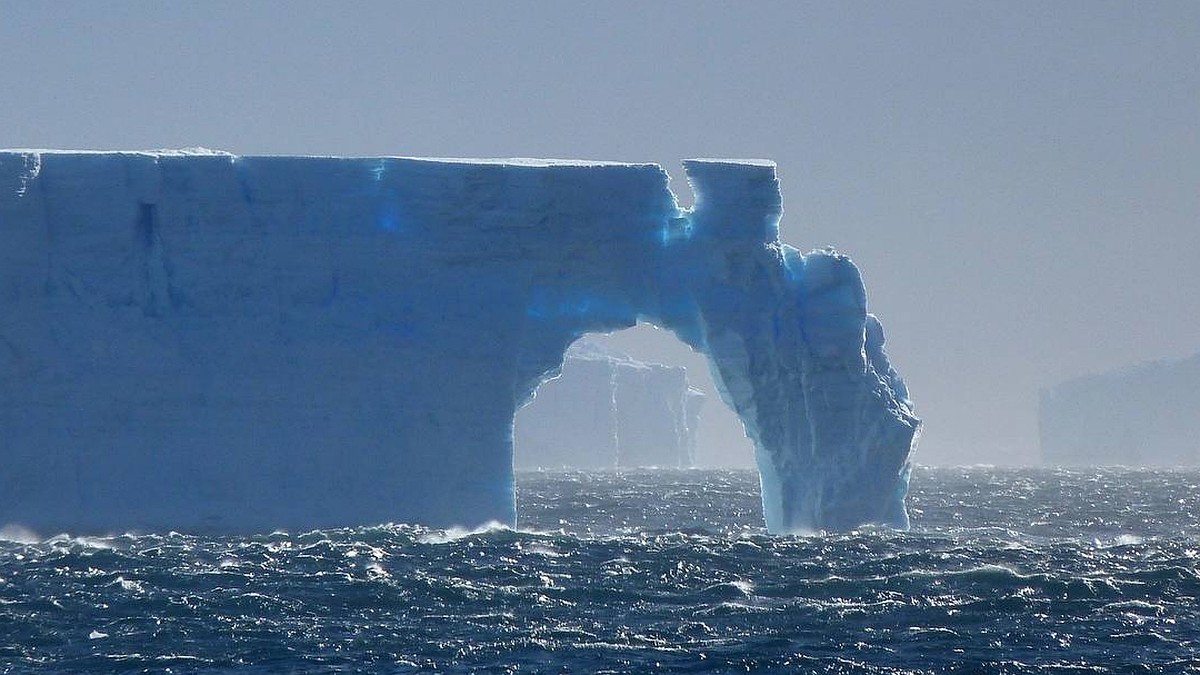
<point>199,341</point>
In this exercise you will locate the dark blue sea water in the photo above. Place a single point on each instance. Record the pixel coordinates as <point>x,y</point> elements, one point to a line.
<point>1004,571</point>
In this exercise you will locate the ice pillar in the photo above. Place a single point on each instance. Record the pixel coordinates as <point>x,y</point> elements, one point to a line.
<point>798,357</point>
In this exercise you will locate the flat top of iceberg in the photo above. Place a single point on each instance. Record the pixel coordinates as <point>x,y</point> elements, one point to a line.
<point>170,152</point>
<point>501,161</point>
<point>768,163</point>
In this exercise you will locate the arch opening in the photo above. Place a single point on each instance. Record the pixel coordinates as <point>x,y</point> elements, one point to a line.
<point>633,398</point>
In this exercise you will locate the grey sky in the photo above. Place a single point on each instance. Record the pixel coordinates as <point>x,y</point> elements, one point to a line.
<point>1017,181</point>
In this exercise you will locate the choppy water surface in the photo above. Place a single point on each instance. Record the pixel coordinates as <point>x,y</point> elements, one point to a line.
<point>1005,571</point>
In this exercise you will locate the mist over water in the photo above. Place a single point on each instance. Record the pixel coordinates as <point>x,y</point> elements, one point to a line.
<point>1004,571</point>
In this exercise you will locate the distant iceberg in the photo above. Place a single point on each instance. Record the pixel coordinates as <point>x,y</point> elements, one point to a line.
<point>606,410</point>
<point>199,341</point>
<point>1144,415</point>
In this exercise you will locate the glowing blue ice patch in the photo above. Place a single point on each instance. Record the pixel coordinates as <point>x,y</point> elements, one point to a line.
<point>547,304</point>
<point>389,218</point>
<point>676,229</point>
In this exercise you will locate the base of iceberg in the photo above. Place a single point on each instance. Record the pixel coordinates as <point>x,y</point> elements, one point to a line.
<point>201,341</point>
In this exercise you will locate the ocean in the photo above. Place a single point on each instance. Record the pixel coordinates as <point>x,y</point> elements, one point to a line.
<point>1004,571</point>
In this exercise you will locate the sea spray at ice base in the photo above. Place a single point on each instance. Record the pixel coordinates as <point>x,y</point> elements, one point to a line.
<point>1004,571</point>
<point>322,341</point>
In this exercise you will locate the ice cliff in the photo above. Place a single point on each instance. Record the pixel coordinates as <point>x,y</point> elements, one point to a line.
<point>1145,415</point>
<point>607,410</point>
<point>202,341</point>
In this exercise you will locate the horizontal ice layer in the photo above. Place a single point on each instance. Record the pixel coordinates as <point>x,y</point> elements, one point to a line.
<point>606,410</point>
<point>195,340</point>
<point>1144,415</point>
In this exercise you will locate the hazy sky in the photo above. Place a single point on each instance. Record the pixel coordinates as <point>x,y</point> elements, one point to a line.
<point>1019,182</point>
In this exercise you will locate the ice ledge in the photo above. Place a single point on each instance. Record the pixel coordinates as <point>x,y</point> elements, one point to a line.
<point>763,163</point>
<point>195,151</point>
<point>536,162</point>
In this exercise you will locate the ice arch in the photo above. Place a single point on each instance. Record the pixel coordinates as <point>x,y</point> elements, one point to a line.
<point>194,340</point>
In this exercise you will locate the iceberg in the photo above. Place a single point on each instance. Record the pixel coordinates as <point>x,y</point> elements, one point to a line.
<point>194,340</point>
<point>1142,415</point>
<point>606,410</point>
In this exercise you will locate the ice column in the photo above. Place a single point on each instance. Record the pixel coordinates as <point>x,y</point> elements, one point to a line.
<point>798,357</point>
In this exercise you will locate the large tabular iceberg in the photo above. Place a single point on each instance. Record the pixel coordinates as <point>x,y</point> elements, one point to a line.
<point>201,341</point>
<point>1143,415</point>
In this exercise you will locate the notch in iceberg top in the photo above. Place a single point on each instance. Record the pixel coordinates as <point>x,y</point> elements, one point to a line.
<point>735,199</point>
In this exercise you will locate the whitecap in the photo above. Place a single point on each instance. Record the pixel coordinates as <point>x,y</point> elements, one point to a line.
<point>457,533</point>
<point>128,585</point>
